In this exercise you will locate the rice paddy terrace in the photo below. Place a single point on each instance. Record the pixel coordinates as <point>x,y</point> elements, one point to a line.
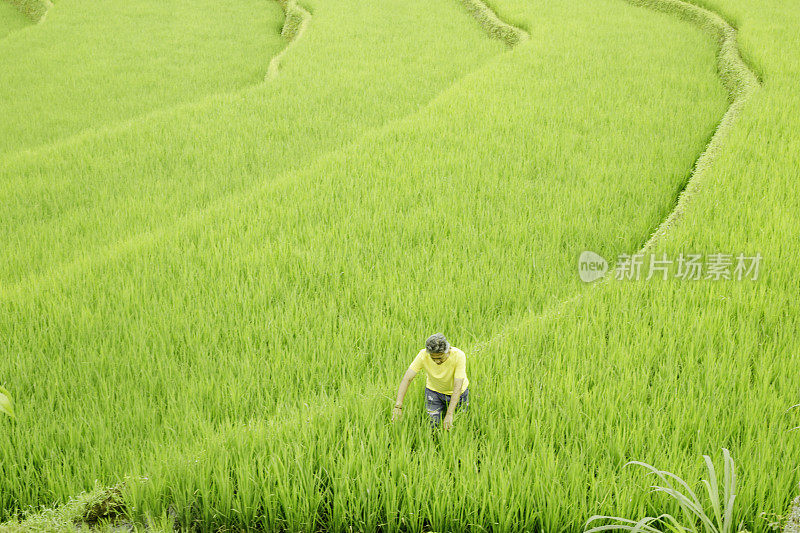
<point>226,227</point>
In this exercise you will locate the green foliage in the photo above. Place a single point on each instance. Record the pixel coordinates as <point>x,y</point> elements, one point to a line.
<point>711,515</point>
<point>222,295</point>
<point>96,65</point>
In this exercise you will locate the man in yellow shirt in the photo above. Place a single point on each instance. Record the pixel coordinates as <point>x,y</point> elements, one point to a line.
<point>446,371</point>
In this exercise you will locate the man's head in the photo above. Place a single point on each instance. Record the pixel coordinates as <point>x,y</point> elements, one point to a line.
<point>437,347</point>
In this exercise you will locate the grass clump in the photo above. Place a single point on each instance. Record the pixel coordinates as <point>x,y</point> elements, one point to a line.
<point>100,510</point>
<point>714,514</point>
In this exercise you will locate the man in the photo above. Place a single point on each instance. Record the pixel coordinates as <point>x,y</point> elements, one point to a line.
<point>446,371</point>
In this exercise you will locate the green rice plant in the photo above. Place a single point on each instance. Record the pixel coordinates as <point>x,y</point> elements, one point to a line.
<point>222,297</point>
<point>133,181</point>
<point>715,515</point>
<point>97,64</point>
<point>260,303</point>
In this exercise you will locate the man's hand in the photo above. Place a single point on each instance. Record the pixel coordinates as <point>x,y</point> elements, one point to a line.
<point>447,423</point>
<point>397,412</point>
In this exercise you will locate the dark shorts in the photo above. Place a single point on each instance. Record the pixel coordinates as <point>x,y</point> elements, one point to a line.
<point>436,404</point>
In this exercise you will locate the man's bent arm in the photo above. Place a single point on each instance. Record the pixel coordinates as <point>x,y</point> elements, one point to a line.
<point>401,392</point>
<point>455,397</point>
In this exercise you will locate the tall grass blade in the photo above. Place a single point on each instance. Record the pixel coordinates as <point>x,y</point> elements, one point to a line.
<point>713,488</point>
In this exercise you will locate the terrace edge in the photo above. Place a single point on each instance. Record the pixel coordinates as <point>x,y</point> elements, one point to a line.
<point>740,81</point>
<point>296,20</point>
<point>33,9</point>
<point>493,25</point>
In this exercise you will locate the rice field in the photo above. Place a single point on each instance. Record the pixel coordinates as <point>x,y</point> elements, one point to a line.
<point>227,228</point>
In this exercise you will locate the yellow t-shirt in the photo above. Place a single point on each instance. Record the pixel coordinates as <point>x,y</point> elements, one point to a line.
<point>440,377</point>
